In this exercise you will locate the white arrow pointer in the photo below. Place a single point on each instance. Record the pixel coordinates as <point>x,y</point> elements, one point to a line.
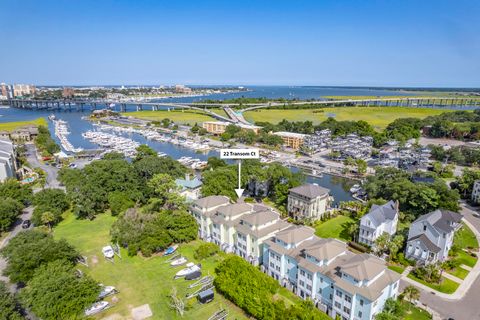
<point>239,190</point>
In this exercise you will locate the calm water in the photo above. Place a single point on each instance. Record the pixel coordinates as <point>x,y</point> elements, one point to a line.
<point>339,187</point>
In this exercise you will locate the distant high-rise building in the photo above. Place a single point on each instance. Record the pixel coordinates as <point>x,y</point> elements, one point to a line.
<point>20,90</point>
<point>68,92</point>
<point>6,91</point>
<point>180,88</point>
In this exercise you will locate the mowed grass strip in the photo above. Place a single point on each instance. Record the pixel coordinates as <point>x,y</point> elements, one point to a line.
<point>465,238</point>
<point>189,117</point>
<point>10,126</point>
<point>140,280</point>
<point>378,117</point>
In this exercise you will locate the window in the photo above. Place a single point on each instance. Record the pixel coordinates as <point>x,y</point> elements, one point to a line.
<point>361,302</point>
<point>360,314</point>
<point>272,265</point>
<point>348,299</point>
<point>338,293</point>
<point>301,283</point>
<point>346,310</point>
<point>278,268</point>
<point>395,285</point>
<point>278,258</point>
<point>302,272</point>
<point>424,228</point>
<point>338,305</point>
<point>321,280</point>
<point>331,296</point>
<point>309,276</point>
<point>320,290</point>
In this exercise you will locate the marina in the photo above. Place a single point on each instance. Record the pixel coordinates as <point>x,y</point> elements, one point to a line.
<point>62,132</point>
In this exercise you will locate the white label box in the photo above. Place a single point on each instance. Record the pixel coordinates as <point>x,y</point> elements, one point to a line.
<point>239,154</point>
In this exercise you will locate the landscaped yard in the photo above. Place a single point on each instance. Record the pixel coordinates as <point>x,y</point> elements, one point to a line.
<point>378,117</point>
<point>10,126</point>
<point>466,259</point>
<point>446,285</point>
<point>414,313</point>
<point>178,116</point>
<point>335,228</point>
<point>458,272</point>
<point>139,280</point>
<point>465,238</point>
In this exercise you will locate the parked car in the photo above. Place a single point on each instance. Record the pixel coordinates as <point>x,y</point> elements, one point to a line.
<point>26,224</point>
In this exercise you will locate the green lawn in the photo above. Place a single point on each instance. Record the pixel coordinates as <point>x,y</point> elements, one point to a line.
<point>178,116</point>
<point>465,238</point>
<point>446,285</point>
<point>396,268</point>
<point>466,259</point>
<point>335,228</point>
<point>139,280</point>
<point>378,117</point>
<point>414,313</point>
<point>458,272</point>
<point>10,126</point>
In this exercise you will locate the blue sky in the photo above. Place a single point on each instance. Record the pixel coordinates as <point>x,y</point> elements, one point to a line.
<point>357,43</point>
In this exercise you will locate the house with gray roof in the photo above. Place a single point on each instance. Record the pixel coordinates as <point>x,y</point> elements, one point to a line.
<point>430,237</point>
<point>308,201</point>
<point>189,188</point>
<point>203,209</point>
<point>380,219</point>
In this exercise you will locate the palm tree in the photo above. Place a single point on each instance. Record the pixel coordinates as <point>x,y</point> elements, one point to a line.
<point>411,293</point>
<point>48,218</point>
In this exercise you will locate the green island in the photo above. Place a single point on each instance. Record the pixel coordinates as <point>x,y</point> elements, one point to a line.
<point>10,126</point>
<point>189,117</point>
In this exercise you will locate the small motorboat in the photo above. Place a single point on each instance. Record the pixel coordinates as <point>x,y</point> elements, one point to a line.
<point>191,267</point>
<point>194,275</point>
<point>170,250</point>
<point>355,188</point>
<point>106,291</point>
<point>178,262</point>
<point>108,252</point>
<point>96,308</point>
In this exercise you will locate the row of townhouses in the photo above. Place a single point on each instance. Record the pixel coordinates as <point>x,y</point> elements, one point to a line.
<point>7,160</point>
<point>341,283</point>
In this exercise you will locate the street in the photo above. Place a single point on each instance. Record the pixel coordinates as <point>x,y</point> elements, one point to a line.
<point>50,171</point>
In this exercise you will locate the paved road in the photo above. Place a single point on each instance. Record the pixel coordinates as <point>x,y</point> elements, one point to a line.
<point>17,227</point>
<point>467,308</point>
<point>51,172</point>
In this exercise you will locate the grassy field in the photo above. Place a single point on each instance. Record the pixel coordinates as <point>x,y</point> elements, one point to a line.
<point>445,286</point>
<point>378,117</point>
<point>10,126</point>
<point>465,238</point>
<point>178,116</point>
<point>139,280</point>
<point>335,228</point>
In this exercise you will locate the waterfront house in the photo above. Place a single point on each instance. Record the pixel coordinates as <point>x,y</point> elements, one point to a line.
<point>430,237</point>
<point>203,209</point>
<point>380,219</point>
<point>309,201</point>
<point>476,192</point>
<point>189,188</point>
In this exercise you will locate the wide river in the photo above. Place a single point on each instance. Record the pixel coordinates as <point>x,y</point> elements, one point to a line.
<point>339,187</point>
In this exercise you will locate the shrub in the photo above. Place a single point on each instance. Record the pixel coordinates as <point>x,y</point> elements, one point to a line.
<point>206,250</point>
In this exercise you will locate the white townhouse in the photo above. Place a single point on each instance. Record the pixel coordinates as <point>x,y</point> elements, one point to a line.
<point>476,192</point>
<point>430,237</point>
<point>203,209</point>
<point>7,160</point>
<point>380,219</point>
<point>253,229</point>
<point>308,201</point>
<point>341,283</point>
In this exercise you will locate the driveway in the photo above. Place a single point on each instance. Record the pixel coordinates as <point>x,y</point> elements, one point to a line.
<point>467,308</point>
<point>51,172</point>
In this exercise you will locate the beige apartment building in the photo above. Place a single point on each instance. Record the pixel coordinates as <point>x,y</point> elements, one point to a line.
<point>291,139</point>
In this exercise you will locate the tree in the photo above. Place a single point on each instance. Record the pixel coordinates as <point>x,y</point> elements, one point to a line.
<point>143,151</point>
<point>206,250</point>
<point>166,190</point>
<point>411,293</point>
<point>13,189</point>
<point>214,163</point>
<point>148,166</point>
<point>10,209</point>
<point>361,166</point>
<point>119,201</point>
<point>31,249</point>
<point>395,245</point>
<point>47,219</point>
<point>392,310</point>
<point>381,243</point>
<point>9,309</point>
<point>52,200</point>
<point>56,292</point>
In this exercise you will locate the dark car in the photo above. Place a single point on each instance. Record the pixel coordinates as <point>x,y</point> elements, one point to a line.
<point>26,224</point>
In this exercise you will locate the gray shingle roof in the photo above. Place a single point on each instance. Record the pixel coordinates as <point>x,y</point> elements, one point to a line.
<point>441,219</point>
<point>381,213</point>
<point>426,242</point>
<point>310,190</point>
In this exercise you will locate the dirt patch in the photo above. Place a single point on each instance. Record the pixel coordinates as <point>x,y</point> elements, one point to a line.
<point>142,312</point>
<point>94,260</point>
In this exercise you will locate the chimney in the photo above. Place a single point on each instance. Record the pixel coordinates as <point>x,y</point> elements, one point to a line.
<point>187,176</point>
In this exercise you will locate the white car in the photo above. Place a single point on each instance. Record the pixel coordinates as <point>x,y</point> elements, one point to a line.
<point>108,252</point>
<point>96,308</point>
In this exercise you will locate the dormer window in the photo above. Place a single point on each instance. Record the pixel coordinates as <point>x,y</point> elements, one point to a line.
<point>424,228</point>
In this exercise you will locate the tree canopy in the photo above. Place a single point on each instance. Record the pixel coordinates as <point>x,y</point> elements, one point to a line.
<point>49,200</point>
<point>9,309</point>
